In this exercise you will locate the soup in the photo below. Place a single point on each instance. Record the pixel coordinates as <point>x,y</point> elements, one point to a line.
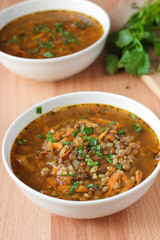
<point>85,152</point>
<point>49,34</point>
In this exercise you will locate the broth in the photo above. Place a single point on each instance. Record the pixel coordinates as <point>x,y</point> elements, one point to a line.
<point>85,152</point>
<point>49,34</point>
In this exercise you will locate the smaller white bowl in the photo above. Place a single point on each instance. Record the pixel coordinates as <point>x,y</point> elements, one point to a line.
<point>54,69</point>
<point>85,209</point>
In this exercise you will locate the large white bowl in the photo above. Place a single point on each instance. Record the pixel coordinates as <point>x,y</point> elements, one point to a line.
<point>54,69</point>
<point>86,209</point>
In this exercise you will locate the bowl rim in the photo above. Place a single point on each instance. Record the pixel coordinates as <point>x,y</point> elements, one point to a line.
<point>62,58</point>
<point>42,196</point>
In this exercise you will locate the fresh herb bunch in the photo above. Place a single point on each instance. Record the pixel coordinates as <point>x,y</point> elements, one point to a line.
<point>128,48</point>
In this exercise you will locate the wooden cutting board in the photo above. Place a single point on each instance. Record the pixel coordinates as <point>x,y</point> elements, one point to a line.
<point>118,17</point>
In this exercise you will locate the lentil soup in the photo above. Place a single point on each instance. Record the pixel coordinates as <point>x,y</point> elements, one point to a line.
<point>49,34</point>
<point>85,152</point>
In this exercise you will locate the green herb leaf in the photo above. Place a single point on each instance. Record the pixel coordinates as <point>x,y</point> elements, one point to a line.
<point>96,147</point>
<point>125,37</point>
<point>48,45</point>
<point>39,109</point>
<point>47,54</point>
<point>80,151</point>
<point>117,136</point>
<point>73,187</point>
<point>128,48</point>
<point>49,137</point>
<point>33,51</point>
<point>89,185</point>
<point>157,48</point>
<point>109,160</point>
<point>39,136</point>
<point>112,63</point>
<point>87,130</point>
<point>92,163</point>
<point>88,110</point>
<point>121,132</point>
<point>23,141</point>
<point>75,132</point>
<point>135,62</point>
<point>137,127</point>
<point>66,143</point>
<point>68,175</point>
<point>47,29</point>
<point>112,123</point>
<point>14,39</point>
<point>120,166</point>
<point>158,69</point>
<point>133,116</point>
<point>92,141</point>
<point>39,151</point>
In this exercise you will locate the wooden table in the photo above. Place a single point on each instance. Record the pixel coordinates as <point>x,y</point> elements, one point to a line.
<point>20,219</point>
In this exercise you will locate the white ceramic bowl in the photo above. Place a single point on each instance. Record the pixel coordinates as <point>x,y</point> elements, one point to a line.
<point>76,209</point>
<point>54,69</point>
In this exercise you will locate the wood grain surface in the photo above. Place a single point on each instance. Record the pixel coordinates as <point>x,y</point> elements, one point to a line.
<point>20,219</point>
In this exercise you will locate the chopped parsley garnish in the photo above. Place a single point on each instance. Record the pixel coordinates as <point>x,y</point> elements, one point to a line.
<point>96,147</point>
<point>82,117</point>
<point>49,137</point>
<point>89,185</point>
<point>23,141</point>
<point>47,54</point>
<point>92,163</point>
<point>92,141</point>
<point>133,116</point>
<point>99,154</point>
<point>75,132</point>
<point>39,43</point>
<point>66,143</point>
<point>82,25</point>
<point>39,151</point>
<point>70,39</point>
<point>14,39</point>
<point>112,123</point>
<point>87,130</point>
<point>39,27</point>
<point>109,158</point>
<point>73,187</point>
<point>120,166</point>
<point>48,44</point>
<point>80,151</point>
<point>88,110</point>
<point>121,132</point>
<point>58,25</point>
<point>137,127</point>
<point>47,29</point>
<point>104,129</point>
<point>117,136</point>
<point>68,175</point>
<point>39,109</point>
<point>39,136</point>
<point>33,51</point>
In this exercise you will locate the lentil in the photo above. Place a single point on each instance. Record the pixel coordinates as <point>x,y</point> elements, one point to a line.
<point>89,158</point>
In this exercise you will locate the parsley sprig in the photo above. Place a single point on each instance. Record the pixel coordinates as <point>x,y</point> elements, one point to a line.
<point>128,48</point>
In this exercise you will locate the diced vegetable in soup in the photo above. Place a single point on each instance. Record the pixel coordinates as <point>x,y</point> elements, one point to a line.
<point>85,152</point>
<point>49,34</point>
